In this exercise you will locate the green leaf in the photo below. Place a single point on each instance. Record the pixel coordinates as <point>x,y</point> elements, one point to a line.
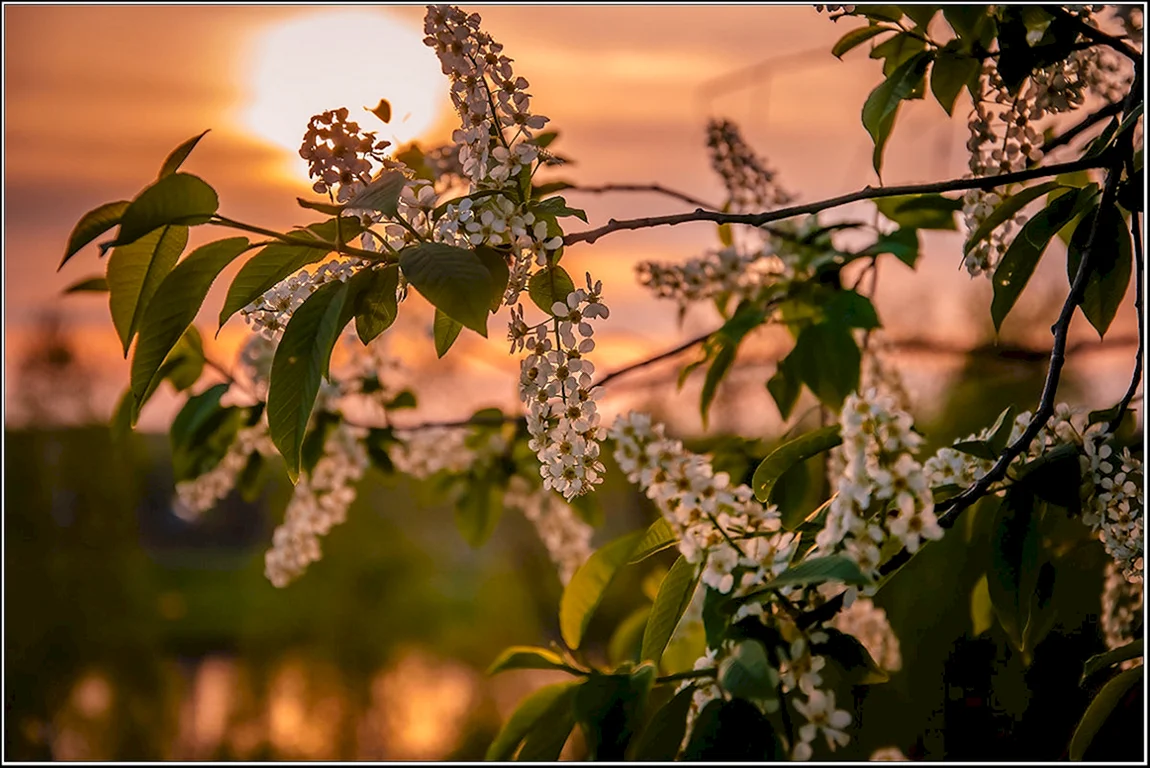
<point>921,14</point>
<point>299,363</point>
<point>851,656</point>
<point>857,37</point>
<point>1098,662</point>
<point>556,696</point>
<point>263,271</point>
<point>852,310</point>
<point>981,609</point>
<point>1000,431</point>
<point>660,739</point>
<point>1006,210</point>
<point>1132,191</point>
<point>446,331</point>
<point>175,304</point>
<point>120,425</point>
<point>549,286</point>
<point>785,386</point>
<point>332,230</point>
<point>731,731</point>
<point>135,271</point>
<point>376,306</point>
<point>902,243</point>
<point>478,512</point>
<point>627,639</point>
<point>176,199</point>
<point>202,432</point>
<point>1110,265</point>
<point>322,207</point>
<point>405,399</point>
<point>966,20</point>
<point>545,742</point>
<point>91,225</point>
<point>173,162</point>
<point>726,238</point>
<point>453,279</point>
<point>895,51</point>
<point>816,570</point>
<point>977,448</point>
<point>880,12</point>
<point>1101,708</point>
<point>929,211</point>
<point>311,450</point>
<point>585,590</point>
<point>827,360</point>
<point>1019,581</point>
<point>495,260</point>
<point>381,195</point>
<point>97,284</point>
<point>674,596</point>
<point>950,74</point>
<point>558,208</point>
<point>791,453</point>
<point>747,673</point>
<point>1055,477</point>
<point>527,657</point>
<point>881,106</point>
<point>609,707</point>
<point>658,537</point>
<point>720,365</point>
<point>1021,258</point>
<point>185,362</point>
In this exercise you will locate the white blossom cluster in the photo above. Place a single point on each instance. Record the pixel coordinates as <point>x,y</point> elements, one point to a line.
<point>555,384</point>
<point>1121,610</point>
<point>566,537</point>
<point>194,497</point>
<point>868,623</point>
<point>730,271</point>
<point>370,377</point>
<point>423,452</point>
<point>822,718</point>
<point>883,491</point>
<point>486,93</point>
<point>750,184</point>
<point>888,754</point>
<point>1115,508</point>
<point>339,154</point>
<point>269,315</point>
<point>1004,136</point>
<point>319,501</point>
<point>719,525</point>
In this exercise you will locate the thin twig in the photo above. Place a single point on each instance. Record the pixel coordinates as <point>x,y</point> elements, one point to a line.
<point>1062,139</point>
<point>658,188</point>
<point>657,358</point>
<point>1096,35</point>
<point>866,193</point>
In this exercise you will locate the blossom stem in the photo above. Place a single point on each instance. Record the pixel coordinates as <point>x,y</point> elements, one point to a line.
<point>222,221</point>
<point>866,193</point>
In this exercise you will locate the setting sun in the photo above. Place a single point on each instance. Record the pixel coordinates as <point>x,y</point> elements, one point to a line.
<point>372,55</point>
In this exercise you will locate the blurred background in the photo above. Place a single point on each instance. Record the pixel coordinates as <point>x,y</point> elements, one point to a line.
<point>131,634</point>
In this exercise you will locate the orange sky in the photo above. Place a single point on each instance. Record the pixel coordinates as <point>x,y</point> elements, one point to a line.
<point>96,96</point>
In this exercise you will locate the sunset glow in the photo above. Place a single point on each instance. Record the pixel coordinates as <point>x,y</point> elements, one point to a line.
<point>377,56</point>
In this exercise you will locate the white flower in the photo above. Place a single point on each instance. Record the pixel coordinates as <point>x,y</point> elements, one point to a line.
<point>819,710</point>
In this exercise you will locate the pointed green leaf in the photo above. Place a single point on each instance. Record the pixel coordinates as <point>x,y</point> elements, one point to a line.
<point>527,657</point>
<point>135,271</point>
<point>828,360</point>
<point>1014,562</point>
<point>585,590</point>
<point>851,656</point>
<point>1098,662</point>
<point>453,279</point>
<point>549,286</point>
<point>173,162</point>
<point>300,359</point>
<point>658,537</point>
<point>263,271</point>
<point>526,715</point>
<point>928,211</point>
<point>93,224</point>
<point>544,743</point>
<point>1006,210</point>
<point>729,731</point>
<point>747,673</point>
<point>176,199</point>
<point>98,284</point>
<point>661,739</point>
<point>120,424</point>
<point>720,365</point>
<point>1110,265</point>
<point>981,609</point>
<point>185,361</point>
<point>495,260</point>
<point>881,106</point>
<point>478,512</point>
<point>902,244</point>
<point>381,195</point>
<point>322,207</point>
<point>816,570</point>
<point>674,596</point>
<point>446,331</point>
<point>791,453</point>
<point>609,708</point>
<point>376,306</point>
<point>785,386</point>
<point>1101,708</point>
<point>857,37</point>
<point>626,641</point>
<point>1021,258</point>
<point>175,304</point>
<point>852,310</point>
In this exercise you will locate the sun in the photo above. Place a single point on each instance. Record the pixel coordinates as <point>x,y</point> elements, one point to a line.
<point>344,57</point>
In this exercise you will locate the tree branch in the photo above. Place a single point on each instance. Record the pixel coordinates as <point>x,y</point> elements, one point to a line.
<point>867,193</point>
<point>658,188</point>
<point>1096,35</point>
<point>951,508</point>
<point>1062,139</point>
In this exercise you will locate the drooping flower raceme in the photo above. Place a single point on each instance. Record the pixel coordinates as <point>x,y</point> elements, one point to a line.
<point>319,501</point>
<point>555,383</point>
<point>883,491</point>
<point>194,497</point>
<point>868,623</point>
<point>1121,610</point>
<point>1115,508</point>
<point>566,537</point>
